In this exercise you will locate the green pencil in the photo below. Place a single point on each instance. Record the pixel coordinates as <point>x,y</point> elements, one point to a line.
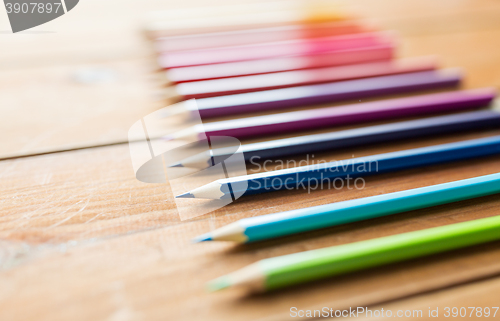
<point>282,271</point>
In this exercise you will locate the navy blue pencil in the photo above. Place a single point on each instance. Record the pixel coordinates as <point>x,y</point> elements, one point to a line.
<point>273,149</point>
<point>329,173</point>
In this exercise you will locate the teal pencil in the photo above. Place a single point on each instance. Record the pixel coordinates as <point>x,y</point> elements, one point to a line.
<point>311,218</point>
<point>281,271</point>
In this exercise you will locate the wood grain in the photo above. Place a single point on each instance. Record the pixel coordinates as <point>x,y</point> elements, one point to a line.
<point>480,294</point>
<point>123,238</point>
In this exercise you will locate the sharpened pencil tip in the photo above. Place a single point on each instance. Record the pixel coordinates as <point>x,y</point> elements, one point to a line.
<point>202,238</point>
<point>185,195</point>
<point>218,284</point>
<point>176,165</point>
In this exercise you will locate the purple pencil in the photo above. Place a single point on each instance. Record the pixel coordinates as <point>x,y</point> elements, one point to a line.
<point>342,115</point>
<point>325,93</point>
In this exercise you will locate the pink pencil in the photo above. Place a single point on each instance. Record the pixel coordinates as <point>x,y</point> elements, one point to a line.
<point>334,116</point>
<point>260,35</point>
<point>269,50</point>
<point>237,85</point>
<point>382,52</point>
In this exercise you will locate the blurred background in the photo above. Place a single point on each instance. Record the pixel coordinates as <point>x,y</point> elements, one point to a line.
<point>83,79</point>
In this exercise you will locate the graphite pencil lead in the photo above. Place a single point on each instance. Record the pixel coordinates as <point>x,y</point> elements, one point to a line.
<point>202,238</point>
<point>210,191</point>
<point>185,195</point>
<point>201,161</point>
<point>176,165</point>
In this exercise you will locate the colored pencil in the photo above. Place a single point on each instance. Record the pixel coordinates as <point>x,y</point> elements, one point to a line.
<point>279,64</point>
<point>239,16</point>
<point>348,138</point>
<point>260,35</point>
<point>268,50</point>
<point>329,174</point>
<point>311,218</point>
<point>286,270</point>
<point>238,85</point>
<point>341,115</point>
<point>334,92</point>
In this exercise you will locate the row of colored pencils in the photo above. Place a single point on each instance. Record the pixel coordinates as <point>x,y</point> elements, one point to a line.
<point>240,59</point>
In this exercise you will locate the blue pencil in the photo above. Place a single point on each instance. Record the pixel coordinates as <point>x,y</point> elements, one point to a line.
<point>311,218</point>
<point>319,176</point>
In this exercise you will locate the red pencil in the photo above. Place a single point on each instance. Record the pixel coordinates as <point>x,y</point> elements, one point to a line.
<point>238,85</point>
<point>279,64</point>
<point>260,35</point>
<point>273,49</point>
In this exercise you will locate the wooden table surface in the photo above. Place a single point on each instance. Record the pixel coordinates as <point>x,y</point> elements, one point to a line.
<point>82,239</point>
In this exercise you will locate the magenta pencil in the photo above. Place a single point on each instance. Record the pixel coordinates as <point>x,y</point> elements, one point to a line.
<point>259,35</point>
<point>268,50</point>
<point>237,85</point>
<point>334,116</point>
<point>382,52</point>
